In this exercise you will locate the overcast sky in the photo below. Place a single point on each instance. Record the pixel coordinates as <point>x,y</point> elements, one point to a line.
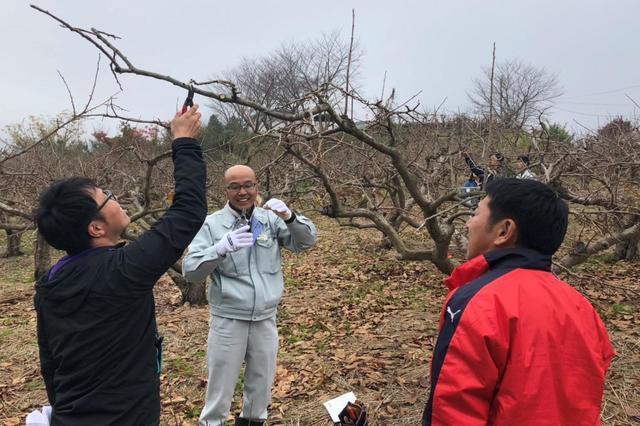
<point>433,47</point>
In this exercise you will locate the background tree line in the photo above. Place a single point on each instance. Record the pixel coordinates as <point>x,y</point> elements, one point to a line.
<point>298,118</point>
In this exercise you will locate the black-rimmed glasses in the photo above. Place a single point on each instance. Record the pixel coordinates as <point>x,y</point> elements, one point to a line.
<point>236,187</point>
<point>110,195</point>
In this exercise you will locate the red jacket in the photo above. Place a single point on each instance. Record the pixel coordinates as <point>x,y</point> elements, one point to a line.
<point>517,346</point>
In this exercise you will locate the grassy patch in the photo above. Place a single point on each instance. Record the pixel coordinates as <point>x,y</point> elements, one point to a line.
<point>200,354</point>
<point>16,272</point>
<point>5,335</point>
<point>364,290</point>
<point>193,412</point>
<point>283,314</point>
<point>181,366</point>
<point>291,281</point>
<point>622,309</point>
<point>35,384</point>
<point>607,258</point>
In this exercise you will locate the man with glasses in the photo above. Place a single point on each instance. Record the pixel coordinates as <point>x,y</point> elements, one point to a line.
<point>100,353</point>
<point>239,247</point>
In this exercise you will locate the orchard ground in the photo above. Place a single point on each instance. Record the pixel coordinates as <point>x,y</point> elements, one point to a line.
<point>354,318</point>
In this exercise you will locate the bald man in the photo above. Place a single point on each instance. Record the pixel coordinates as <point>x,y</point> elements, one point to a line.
<point>239,247</point>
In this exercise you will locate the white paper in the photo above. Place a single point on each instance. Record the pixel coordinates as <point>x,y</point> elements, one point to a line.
<point>336,405</point>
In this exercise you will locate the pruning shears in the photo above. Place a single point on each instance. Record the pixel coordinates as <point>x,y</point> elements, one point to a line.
<point>189,101</point>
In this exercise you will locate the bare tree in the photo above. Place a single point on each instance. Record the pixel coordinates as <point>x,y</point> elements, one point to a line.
<point>398,171</point>
<point>597,174</point>
<point>294,128</point>
<point>131,164</point>
<point>283,79</point>
<point>520,92</point>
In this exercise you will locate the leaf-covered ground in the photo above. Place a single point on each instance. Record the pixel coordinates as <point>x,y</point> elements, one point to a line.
<point>353,319</point>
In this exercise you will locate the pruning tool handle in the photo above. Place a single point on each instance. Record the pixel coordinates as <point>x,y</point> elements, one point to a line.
<point>189,101</point>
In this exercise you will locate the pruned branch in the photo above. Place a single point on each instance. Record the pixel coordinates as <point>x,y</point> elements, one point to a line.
<point>15,212</point>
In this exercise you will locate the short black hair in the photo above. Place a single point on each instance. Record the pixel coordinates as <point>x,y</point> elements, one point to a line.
<point>64,212</point>
<point>524,159</point>
<point>541,215</point>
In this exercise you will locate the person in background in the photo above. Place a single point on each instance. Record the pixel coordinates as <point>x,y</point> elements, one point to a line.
<point>522,168</point>
<point>470,188</point>
<point>496,167</point>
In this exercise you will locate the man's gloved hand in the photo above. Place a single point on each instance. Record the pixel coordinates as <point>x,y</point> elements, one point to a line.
<point>234,240</point>
<point>278,207</point>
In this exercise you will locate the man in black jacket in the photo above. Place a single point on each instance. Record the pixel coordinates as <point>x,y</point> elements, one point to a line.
<point>100,353</point>
<point>496,168</point>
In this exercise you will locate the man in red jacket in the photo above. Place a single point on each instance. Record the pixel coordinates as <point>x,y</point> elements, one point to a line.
<point>517,346</point>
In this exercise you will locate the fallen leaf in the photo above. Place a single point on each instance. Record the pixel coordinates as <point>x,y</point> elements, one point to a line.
<point>424,382</point>
<point>176,400</point>
<point>634,413</point>
<point>412,398</point>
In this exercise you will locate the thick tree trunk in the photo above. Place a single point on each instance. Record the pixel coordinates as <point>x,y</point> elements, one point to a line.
<point>194,294</point>
<point>14,239</point>
<point>41,257</point>
<point>628,250</point>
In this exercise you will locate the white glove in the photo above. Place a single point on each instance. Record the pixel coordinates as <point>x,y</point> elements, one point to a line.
<point>40,418</point>
<point>278,207</point>
<point>234,240</point>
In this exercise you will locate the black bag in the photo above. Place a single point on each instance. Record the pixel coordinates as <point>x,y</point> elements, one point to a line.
<point>354,414</point>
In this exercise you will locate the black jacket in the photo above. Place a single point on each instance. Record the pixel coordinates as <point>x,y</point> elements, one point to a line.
<point>485,176</point>
<point>488,174</point>
<point>97,335</point>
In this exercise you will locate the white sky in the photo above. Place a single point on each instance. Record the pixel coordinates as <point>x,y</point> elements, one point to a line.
<point>433,47</point>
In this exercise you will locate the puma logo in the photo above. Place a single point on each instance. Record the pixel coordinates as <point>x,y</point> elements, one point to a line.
<point>452,314</point>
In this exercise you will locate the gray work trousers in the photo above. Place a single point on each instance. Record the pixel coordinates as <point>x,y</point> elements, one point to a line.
<point>231,342</point>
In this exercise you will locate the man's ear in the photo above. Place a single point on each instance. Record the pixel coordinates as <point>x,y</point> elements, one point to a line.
<point>96,229</point>
<point>507,233</point>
